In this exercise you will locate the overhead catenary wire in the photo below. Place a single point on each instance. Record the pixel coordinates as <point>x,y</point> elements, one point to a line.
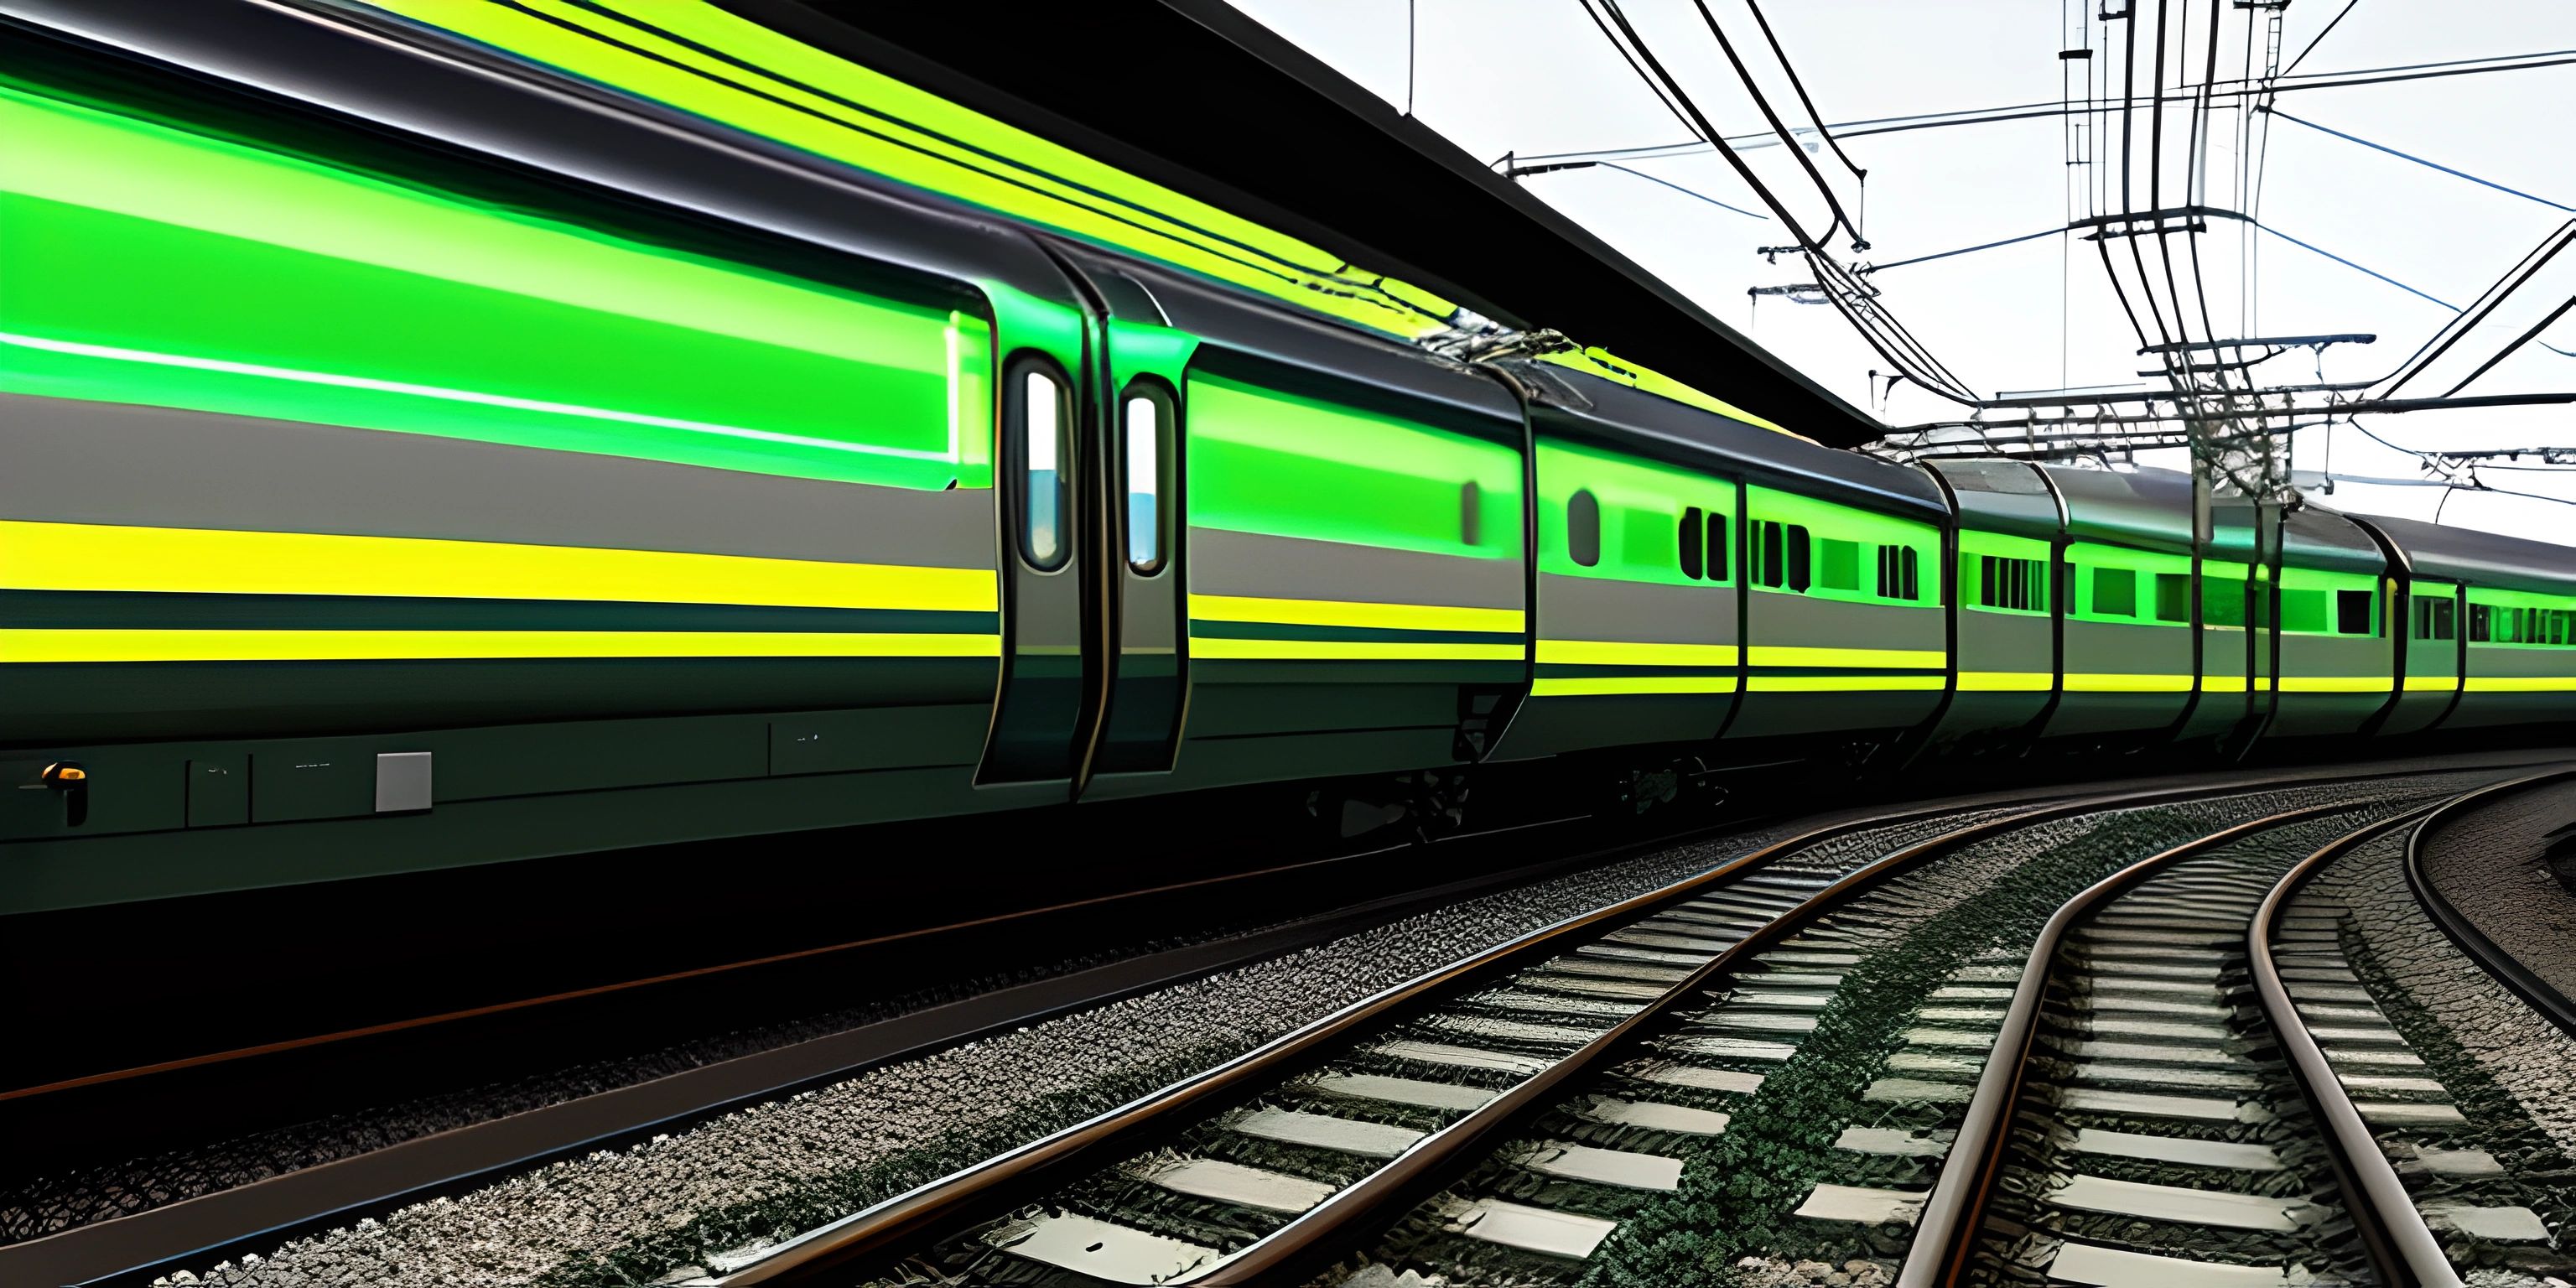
<point>1867,127</point>
<point>1874,269</point>
<point>1520,171</point>
<point>1849,296</point>
<point>2408,156</point>
<point>2320,39</point>
<point>1833,201</point>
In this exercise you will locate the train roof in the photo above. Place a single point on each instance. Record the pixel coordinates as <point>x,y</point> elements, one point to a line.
<point>2485,558</point>
<point>2150,508</point>
<point>2314,538</point>
<point>1617,416</point>
<point>2003,496</point>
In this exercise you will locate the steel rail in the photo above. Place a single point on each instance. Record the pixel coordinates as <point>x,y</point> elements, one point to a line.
<point>257,1216</point>
<point>939,1206</point>
<point>2490,957</point>
<point>1945,1235</point>
<point>919,1212</point>
<point>2409,1252</point>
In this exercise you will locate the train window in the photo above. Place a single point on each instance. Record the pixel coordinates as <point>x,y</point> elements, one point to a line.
<point>2434,617</point>
<point>2222,601</point>
<point>1691,543</point>
<point>1898,573</point>
<point>1145,426</point>
<point>1800,559</point>
<point>1583,529</point>
<point>1717,526</point>
<point>1766,553</point>
<point>2352,612</point>
<point>1838,564</point>
<point>1471,513</point>
<point>1042,422</point>
<point>2115,592</point>
<point>2481,624</point>
<point>2173,597</point>
<point>2012,583</point>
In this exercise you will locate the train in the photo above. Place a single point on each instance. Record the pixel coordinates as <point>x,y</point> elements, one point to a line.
<point>445,434</point>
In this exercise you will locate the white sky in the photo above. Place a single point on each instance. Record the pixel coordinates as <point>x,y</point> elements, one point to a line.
<point>1535,76</point>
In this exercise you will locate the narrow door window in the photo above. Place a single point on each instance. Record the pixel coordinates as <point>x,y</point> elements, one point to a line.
<point>1044,421</point>
<point>1691,543</point>
<point>1717,566</point>
<point>1583,529</point>
<point>1145,426</point>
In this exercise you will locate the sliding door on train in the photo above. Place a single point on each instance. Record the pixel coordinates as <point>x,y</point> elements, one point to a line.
<point>1041,454</point>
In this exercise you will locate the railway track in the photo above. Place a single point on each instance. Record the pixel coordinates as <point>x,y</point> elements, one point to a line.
<point>1491,1103</point>
<point>2229,1078</point>
<point>1579,1102</point>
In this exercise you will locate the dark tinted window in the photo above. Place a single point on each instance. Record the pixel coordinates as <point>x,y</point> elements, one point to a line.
<point>2115,591</point>
<point>2173,597</point>
<point>2222,601</point>
<point>2352,612</point>
<point>1717,566</point>
<point>2481,624</point>
<point>2012,583</point>
<point>1801,560</point>
<point>1471,514</point>
<point>1691,542</point>
<point>1583,529</point>
<point>2435,618</point>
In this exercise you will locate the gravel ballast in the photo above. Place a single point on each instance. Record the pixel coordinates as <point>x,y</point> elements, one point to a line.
<point>2490,865</point>
<point>770,1171</point>
<point>765,1173</point>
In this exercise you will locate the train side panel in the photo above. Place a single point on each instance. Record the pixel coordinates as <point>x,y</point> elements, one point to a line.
<point>2129,612</point>
<point>2338,661</point>
<point>1845,631</point>
<point>2522,658</point>
<point>324,450</point>
<point>2007,661</point>
<point>1637,639</point>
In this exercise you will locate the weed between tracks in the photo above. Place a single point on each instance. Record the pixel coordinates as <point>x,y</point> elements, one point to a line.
<point>1739,1189</point>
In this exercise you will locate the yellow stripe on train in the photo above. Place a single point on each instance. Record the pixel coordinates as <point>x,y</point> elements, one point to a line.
<point>1624,653</point>
<point>1581,686</point>
<point>1355,613</point>
<point>1216,649</point>
<point>1835,658</point>
<point>85,645</point>
<point>103,557</point>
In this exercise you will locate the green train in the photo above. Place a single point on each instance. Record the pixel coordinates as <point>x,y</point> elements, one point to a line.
<point>438,432</point>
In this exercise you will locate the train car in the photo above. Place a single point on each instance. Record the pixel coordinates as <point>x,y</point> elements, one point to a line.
<point>2488,638</point>
<point>456,459</point>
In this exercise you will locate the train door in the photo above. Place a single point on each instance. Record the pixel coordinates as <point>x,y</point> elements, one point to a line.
<point>1140,526</point>
<point>2232,602</point>
<point>1042,454</point>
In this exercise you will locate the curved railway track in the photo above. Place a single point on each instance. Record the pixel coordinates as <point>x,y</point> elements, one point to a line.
<point>2211,1090</point>
<point>1554,1101</point>
<point>1506,1117</point>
